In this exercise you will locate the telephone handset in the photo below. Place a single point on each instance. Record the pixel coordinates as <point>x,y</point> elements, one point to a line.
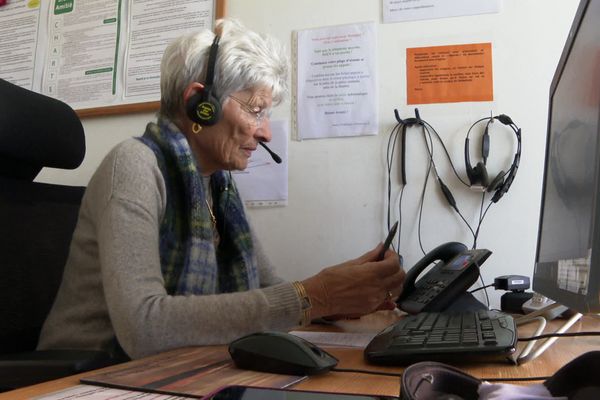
<point>456,271</point>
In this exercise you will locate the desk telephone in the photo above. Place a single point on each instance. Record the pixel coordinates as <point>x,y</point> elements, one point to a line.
<point>456,270</point>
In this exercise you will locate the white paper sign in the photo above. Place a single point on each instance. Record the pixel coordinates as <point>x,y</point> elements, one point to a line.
<point>410,10</point>
<point>337,85</point>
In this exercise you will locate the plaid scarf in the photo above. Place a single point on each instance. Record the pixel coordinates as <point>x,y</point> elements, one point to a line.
<point>190,263</point>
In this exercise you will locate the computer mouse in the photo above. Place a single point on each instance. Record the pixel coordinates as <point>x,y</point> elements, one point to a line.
<point>280,353</point>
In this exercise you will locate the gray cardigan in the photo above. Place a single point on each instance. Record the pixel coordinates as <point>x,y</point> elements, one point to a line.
<point>113,286</point>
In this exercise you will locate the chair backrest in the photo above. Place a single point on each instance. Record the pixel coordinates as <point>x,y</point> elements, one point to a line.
<point>36,226</point>
<point>36,219</point>
<point>37,131</point>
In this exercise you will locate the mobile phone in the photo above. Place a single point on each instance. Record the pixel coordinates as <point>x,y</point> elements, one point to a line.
<point>256,393</point>
<point>388,241</point>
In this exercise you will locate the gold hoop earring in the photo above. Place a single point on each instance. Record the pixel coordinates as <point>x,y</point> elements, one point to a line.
<point>196,128</point>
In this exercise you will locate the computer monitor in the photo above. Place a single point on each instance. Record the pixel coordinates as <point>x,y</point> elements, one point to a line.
<point>567,264</point>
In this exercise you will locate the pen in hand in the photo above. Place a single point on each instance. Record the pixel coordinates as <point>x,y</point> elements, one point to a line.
<point>388,241</point>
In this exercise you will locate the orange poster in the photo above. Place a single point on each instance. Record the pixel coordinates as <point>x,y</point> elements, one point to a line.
<point>449,74</point>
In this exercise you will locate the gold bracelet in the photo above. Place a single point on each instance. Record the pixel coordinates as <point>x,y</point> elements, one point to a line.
<point>305,303</point>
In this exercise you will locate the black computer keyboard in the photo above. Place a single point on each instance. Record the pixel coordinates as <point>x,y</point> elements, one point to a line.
<point>445,336</point>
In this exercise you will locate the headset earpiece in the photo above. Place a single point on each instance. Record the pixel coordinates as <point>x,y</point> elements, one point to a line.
<point>204,107</point>
<point>477,175</point>
<point>497,182</point>
<point>480,175</point>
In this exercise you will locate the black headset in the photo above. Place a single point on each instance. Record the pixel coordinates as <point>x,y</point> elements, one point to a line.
<point>204,107</point>
<point>478,175</point>
<point>406,123</point>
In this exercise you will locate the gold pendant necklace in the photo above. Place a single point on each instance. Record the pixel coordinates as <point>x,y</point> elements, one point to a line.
<point>212,215</point>
<point>213,219</point>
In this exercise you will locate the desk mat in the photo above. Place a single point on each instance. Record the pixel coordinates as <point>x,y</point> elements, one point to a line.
<point>192,372</point>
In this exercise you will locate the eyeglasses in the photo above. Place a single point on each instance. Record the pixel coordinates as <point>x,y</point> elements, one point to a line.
<point>259,113</point>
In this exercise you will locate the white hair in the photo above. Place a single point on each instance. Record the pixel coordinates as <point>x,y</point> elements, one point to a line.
<point>245,60</point>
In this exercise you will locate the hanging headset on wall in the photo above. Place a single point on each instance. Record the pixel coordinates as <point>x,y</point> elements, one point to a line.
<point>478,175</point>
<point>204,107</point>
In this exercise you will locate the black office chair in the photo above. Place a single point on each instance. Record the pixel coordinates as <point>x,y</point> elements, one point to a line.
<point>36,224</point>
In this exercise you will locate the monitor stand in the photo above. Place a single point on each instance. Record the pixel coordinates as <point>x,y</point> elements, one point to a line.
<point>527,355</point>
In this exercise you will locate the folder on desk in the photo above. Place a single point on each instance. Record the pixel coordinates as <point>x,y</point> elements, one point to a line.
<point>190,371</point>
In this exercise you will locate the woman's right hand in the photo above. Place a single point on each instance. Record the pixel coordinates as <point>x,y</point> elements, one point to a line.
<point>356,287</point>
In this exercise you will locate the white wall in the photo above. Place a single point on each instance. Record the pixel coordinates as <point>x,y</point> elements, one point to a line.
<point>337,200</point>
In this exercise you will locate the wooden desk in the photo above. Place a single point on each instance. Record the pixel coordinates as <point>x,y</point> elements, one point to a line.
<point>563,351</point>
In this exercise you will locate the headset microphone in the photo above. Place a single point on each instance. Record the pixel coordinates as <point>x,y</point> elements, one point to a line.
<point>274,156</point>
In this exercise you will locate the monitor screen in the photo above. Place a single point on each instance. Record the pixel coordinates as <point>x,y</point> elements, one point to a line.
<point>567,268</point>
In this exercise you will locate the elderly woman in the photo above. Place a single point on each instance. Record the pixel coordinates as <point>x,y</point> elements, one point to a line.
<point>163,255</point>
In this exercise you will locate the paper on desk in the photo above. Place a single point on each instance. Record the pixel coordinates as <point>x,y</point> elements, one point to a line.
<point>104,393</point>
<point>342,339</point>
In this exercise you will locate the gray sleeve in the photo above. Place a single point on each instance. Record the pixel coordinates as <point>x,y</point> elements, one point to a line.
<point>146,320</point>
<point>268,277</point>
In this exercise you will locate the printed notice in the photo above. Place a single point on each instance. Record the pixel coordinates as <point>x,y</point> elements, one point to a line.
<point>449,74</point>
<point>21,20</point>
<point>337,89</point>
<point>153,24</point>
<point>82,56</point>
<point>409,10</point>
<point>94,53</point>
